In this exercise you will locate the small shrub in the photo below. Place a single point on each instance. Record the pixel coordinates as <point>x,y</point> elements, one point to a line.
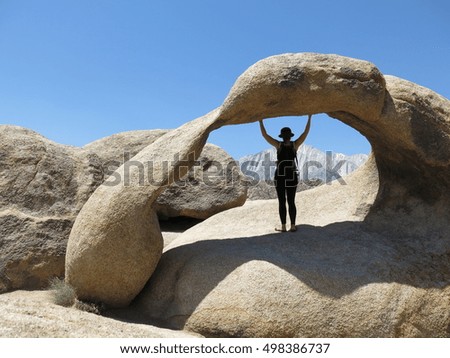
<point>63,294</point>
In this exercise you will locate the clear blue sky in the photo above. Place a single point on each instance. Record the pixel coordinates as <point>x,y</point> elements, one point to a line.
<point>79,70</point>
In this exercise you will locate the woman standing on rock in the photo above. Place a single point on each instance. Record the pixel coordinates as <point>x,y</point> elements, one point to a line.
<point>286,174</point>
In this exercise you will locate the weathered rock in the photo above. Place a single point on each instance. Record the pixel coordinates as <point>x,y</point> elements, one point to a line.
<point>395,261</point>
<point>32,314</point>
<point>43,186</point>
<point>118,148</point>
<point>390,112</point>
<point>232,275</point>
<point>113,247</point>
<point>213,185</point>
<point>299,84</point>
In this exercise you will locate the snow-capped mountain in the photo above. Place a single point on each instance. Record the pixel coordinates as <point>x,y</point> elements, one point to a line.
<point>312,164</point>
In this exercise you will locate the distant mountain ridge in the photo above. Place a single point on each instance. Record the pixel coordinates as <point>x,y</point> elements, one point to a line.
<point>312,164</point>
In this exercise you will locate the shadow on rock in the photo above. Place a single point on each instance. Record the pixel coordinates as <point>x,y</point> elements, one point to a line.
<point>314,269</point>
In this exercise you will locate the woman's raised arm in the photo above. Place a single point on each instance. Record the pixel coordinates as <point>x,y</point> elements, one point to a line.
<point>299,141</point>
<point>268,138</point>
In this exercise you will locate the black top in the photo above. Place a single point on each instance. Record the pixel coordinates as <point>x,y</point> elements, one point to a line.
<point>286,168</point>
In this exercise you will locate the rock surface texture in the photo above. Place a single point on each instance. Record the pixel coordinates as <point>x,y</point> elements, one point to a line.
<point>32,314</point>
<point>43,186</point>
<point>212,185</point>
<point>371,258</point>
<point>113,247</point>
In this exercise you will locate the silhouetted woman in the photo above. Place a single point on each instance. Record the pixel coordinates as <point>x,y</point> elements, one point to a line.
<point>286,174</point>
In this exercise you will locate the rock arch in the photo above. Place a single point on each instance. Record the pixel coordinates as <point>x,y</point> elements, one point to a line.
<point>114,248</point>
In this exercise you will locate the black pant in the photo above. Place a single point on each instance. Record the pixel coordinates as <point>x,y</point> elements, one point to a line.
<point>286,189</point>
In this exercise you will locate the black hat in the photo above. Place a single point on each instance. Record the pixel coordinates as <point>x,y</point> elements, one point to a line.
<point>286,132</point>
